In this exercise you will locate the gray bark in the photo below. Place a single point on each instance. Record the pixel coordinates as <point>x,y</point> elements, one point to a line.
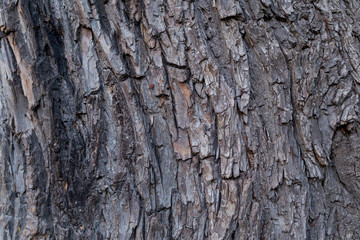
<point>172,119</point>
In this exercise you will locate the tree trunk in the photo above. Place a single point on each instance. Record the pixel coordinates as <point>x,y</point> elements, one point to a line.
<point>173,119</point>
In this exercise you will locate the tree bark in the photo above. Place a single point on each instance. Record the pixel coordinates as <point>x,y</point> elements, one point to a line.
<point>172,119</point>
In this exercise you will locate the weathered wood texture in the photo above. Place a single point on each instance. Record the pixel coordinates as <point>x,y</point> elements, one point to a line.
<point>172,119</point>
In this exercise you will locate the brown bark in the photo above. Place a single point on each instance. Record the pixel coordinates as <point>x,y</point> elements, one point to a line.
<point>172,119</point>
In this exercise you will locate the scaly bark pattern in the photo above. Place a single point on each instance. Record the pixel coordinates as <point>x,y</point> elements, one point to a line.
<point>172,119</point>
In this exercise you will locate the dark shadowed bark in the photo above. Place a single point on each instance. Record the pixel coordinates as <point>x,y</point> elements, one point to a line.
<point>175,119</point>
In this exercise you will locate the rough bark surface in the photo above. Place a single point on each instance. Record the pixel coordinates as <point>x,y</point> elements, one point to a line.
<point>172,119</point>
